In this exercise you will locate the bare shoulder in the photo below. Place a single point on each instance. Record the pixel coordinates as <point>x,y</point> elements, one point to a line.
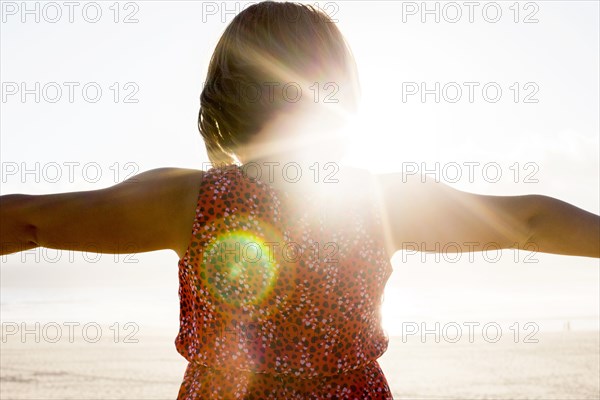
<point>178,177</point>
<point>178,189</point>
<point>384,186</point>
<point>153,210</point>
<point>175,188</point>
<point>355,177</point>
<point>176,184</point>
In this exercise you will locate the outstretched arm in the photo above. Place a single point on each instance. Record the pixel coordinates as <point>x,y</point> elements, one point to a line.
<point>151,211</point>
<point>433,213</point>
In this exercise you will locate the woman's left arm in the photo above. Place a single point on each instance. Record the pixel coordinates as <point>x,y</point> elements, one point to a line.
<point>433,215</point>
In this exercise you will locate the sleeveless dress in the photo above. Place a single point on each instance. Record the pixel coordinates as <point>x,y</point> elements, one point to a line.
<point>280,293</point>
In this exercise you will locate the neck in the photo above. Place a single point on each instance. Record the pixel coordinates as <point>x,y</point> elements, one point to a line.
<point>299,136</point>
<point>294,151</point>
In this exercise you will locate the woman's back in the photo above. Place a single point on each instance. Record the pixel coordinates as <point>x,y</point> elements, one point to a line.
<point>281,286</point>
<point>277,287</point>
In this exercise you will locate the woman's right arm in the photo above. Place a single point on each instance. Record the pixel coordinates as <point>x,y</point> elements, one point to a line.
<point>150,211</point>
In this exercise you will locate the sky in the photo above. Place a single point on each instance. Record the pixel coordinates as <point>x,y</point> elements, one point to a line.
<point>533,129</point>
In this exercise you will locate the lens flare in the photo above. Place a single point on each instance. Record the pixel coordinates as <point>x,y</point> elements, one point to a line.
<point>241,266</point>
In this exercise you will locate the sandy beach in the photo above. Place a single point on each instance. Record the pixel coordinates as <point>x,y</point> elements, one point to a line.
<point>563,365</point>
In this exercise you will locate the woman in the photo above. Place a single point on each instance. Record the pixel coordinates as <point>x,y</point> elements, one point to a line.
<point>284,255</point>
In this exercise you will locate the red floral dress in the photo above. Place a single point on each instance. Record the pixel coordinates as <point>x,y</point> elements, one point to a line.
<point>281,294</point>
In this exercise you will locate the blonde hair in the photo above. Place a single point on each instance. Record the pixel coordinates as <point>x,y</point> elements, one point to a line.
<point>263,49</point>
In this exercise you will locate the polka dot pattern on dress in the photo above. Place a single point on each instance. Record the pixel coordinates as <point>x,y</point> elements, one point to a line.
<point>280,294</point>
